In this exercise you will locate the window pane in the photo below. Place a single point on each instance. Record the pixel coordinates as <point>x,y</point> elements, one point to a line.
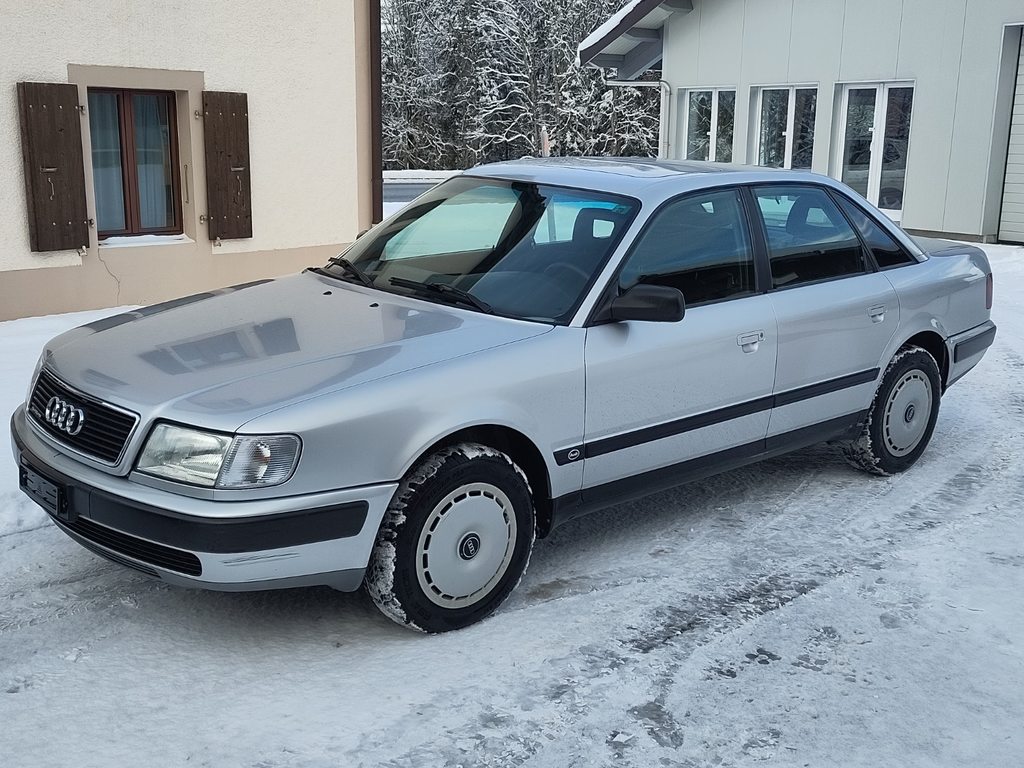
<point>698,126</point>
<point>699,245</point>
<point>860,120</point>
<point>108,181</point>
<point>563,214</point>
<point>467,222</point>
<point>151,112</point>
<point>808,238</point>
<point>894,154</point>
<point>726,115</point>
<point>774,114</point>
<point>490,237</point>
<point>803,127</point>
<point>887,251</point>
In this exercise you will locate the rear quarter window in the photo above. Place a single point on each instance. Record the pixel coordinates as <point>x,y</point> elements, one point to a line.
<point>887,252</point>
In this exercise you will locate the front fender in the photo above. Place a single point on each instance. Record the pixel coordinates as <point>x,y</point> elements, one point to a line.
<point>374,433</point>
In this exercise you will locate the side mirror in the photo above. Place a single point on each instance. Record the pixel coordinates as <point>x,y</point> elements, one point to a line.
<point>651,303</point>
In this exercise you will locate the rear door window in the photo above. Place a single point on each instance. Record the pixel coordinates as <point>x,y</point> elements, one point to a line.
<point>809,239</point>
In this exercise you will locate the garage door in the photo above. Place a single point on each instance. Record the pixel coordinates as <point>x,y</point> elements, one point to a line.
<point>1011,220</point>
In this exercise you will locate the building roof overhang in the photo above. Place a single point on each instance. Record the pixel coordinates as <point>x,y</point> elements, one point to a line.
<point>631,40</point>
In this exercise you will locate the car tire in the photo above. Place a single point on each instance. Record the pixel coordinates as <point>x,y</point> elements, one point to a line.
<point>902,416</point>
<point>455,540</point>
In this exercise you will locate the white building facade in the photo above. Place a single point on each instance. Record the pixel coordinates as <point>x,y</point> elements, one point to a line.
<point>150,150</point>
<point>916,104</point>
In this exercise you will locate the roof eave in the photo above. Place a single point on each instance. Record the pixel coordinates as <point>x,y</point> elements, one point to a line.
<point>646,50</point>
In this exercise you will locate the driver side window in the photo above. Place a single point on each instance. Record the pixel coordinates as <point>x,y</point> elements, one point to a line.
<point>700,245</point>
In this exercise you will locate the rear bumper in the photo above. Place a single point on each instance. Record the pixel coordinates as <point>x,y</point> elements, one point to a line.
<point>233,546</point>
<point>966,349</point>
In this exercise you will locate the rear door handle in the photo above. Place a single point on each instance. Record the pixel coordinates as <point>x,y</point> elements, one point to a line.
<point>877,314</point>
<point>748,341</point>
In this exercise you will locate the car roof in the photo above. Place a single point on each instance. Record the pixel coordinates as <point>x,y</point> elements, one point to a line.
<point>636,176</point>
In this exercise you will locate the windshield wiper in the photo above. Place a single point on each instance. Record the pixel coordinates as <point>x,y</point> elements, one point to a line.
<point>351,270</point>
<point>444,289</point>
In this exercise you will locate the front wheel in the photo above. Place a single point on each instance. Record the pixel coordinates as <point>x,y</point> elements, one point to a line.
<point>455,540</point>
<point>902,416</point>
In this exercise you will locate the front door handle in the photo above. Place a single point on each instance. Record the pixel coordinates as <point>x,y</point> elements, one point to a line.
<point>748,342</point>
<point>877,314</point>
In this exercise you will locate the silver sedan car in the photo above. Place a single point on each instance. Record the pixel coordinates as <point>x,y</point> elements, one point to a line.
<point>524,343</point>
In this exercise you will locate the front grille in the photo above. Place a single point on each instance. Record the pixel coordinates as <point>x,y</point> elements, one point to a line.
<point>156,554</point>
<point>105,431</point>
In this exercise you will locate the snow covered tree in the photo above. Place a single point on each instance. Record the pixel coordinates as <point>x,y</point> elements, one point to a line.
<point>473,81</point>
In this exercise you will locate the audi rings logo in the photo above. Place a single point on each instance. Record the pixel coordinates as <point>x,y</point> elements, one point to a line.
<point>62,415</point>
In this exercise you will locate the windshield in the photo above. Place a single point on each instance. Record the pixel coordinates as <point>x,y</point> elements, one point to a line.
<point>512,248</point>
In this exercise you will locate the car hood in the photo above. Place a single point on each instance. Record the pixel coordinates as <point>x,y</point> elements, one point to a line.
<point>222,358</point>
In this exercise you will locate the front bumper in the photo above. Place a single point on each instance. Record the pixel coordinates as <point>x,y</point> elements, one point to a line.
<point>323,538</point>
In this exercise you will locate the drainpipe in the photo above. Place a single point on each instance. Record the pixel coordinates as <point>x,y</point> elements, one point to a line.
<point>664,127</point>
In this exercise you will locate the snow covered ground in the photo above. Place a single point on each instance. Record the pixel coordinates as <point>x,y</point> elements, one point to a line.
<point>795,612</point>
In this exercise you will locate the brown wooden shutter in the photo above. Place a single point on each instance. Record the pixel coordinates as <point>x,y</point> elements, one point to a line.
<point>51,147</point>
<point>226,126</point>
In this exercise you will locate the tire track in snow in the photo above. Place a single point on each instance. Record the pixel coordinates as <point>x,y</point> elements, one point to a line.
<point>550,720</point>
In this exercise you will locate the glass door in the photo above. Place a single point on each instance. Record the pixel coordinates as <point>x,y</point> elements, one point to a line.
<point>876,135</point>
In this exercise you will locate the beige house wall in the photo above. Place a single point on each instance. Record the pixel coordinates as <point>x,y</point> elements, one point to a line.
<point>306,75</point>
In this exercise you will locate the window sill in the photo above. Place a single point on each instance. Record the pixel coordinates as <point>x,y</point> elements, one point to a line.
<point>131,241</point>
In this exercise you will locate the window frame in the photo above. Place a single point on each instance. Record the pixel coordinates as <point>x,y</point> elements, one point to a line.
<point>790,121</point>
<point>599,312</point>
<point>713,135</point>
<point>129,169</point>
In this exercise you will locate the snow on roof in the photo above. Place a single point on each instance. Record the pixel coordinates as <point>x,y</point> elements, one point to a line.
<point>630,40</point>
<point>598,34</point>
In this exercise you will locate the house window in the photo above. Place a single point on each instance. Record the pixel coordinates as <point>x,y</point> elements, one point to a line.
<point>876,136</point>
<point>709,124</point>
<point>785,131</point>
<point>135,162</point>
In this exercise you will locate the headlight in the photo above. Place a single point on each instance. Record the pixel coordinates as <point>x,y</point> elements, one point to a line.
<point>185,455</point>
<point>222,461</point>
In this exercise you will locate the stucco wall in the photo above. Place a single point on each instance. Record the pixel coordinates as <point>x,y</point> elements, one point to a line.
<point>304,70</point>
<point>952,51</point>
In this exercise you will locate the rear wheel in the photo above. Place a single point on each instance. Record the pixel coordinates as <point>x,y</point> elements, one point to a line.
<point>902,416</point>
<point>455,541</point>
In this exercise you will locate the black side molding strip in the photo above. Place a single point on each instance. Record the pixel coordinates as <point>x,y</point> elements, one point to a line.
<point>825,387</point>
<point>573,505</point>
<point>679,426</point>
<point>974,345</point>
